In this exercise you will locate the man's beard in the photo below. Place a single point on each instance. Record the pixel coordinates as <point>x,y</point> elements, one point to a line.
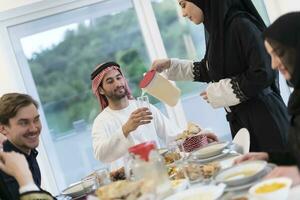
<point>115,96</point>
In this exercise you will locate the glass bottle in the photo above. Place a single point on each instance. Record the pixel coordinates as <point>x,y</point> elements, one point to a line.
<point>157,171</point>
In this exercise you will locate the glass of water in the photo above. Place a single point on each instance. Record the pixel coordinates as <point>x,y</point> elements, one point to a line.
<point>143,102</point>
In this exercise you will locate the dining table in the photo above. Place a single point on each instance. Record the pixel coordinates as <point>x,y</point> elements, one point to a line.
<point>226,162</point>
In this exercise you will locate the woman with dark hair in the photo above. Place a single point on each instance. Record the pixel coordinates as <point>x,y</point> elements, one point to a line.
<point>237,68</point>
<point>282,41</point>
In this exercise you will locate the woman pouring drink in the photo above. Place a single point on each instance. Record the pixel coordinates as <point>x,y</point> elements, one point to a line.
<point>237,68</point>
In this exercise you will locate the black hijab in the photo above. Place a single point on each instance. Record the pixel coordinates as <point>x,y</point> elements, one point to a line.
<point>286,32</point>
<point>217,16</point>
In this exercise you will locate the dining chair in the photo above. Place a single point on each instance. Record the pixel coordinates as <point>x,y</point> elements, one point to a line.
<point>242,140</point>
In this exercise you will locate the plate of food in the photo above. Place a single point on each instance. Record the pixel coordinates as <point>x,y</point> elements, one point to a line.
<point>242,173</point>
<point>124,189</point>
<point>210,150</point>
<point>193,171</point>
<point>206,192</point>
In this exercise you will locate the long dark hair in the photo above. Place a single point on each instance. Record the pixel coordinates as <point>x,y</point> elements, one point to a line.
<point>284,37</point>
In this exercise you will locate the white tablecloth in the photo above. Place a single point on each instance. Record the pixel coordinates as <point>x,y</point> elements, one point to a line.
<point>294,193</point>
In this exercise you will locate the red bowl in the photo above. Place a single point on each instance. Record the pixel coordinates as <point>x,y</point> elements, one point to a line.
<point>143,149</point>
<point>195,142</point>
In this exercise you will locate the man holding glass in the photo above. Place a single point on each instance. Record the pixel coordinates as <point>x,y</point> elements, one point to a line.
<point>123,122</point>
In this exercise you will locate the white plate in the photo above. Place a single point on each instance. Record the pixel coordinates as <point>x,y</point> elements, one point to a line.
<point>76,189</point>
<point>240,187</point>
<point>224,153</point>
<point>241,174</point>
<point>267,170</point>
<point>208,192</point>
<point>210,150</point>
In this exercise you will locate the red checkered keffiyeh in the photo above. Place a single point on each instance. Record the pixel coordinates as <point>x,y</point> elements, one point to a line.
<point>96,81</point>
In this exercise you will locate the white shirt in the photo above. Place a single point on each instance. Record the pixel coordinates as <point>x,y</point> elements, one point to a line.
<point>28,188</point>
<point>109,143</point>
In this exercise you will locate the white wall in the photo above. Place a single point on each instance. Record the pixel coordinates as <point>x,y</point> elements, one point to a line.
<point>9,4</point>
<point>276,8</point>
<point>9,71</point>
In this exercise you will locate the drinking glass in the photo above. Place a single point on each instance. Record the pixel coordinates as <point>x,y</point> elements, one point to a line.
<point>183,153</point>
<point>143,101</point>
<point>192,171</point>
<point>102,176</point>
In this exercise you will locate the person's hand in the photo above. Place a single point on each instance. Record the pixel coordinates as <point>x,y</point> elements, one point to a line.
<point>161,64</point>
<point>252,156</point>
<point>204,96</point>
<point>139,117</point>
<point>15,164</point>
<point>291,172</point>
<point>211,137</point>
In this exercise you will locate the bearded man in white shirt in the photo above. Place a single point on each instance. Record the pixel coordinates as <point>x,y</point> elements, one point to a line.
<point>121,124</point>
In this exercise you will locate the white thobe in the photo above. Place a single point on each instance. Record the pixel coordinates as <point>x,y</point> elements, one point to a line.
<point>109,143</point>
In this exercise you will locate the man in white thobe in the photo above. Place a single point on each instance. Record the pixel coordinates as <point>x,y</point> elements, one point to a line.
<point>121,124</point>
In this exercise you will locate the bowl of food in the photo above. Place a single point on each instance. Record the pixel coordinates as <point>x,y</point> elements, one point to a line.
<point>271,189</point>
<point>118,174</point>
<point>175,172</point>
<point>171,157</point>
<point>193,172</point>
<point>242,173</point>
